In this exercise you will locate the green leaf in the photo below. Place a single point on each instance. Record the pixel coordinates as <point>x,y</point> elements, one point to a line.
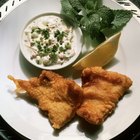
<point>69,11</point>
<point>92,5</point>
<point>90,22</point>
<point>76,5</point>
<point>91,25</point>
<point>94,22</point>
<point>106,16</point>
<point>83,2</point>
<point>95,28</point>
<point>121,18</point>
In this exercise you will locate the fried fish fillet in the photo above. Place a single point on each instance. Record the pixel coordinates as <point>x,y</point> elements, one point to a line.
<point>101,91</point>
<point>57,97</point>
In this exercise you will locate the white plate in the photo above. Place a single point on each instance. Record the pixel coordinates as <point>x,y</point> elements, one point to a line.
<point>25,118</point>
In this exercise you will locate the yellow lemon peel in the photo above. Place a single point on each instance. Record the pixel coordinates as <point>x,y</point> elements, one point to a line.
<point>100,56</point>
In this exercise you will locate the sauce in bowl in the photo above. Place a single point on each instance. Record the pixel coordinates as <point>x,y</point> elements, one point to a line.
<point>49,43</point>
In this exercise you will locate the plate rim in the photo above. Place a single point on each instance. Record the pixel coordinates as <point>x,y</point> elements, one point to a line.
<point>10,5</point>
<point>26,0</point>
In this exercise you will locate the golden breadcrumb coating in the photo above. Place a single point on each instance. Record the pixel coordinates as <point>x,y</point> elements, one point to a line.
<point>57,97</point>
<point>102,90</point>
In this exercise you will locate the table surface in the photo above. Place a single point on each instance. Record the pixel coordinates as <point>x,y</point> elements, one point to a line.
<point>131,133</point>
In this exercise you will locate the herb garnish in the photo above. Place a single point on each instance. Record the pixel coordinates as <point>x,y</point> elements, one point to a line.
<point>95,19</point>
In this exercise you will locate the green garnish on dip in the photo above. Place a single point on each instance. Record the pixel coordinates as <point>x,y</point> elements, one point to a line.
<point>50,40</point>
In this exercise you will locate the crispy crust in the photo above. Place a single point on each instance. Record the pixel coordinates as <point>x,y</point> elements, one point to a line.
<point>102,90</point>
<point>57,97</point>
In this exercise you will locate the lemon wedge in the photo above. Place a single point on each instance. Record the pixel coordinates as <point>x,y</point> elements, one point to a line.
<point>101,55</point>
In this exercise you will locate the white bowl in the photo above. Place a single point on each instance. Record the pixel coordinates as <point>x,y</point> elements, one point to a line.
<point>27,50</point>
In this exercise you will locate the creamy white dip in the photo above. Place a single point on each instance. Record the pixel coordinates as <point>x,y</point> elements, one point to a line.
<point>50,40</point>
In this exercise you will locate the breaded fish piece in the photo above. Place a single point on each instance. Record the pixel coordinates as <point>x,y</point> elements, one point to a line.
<point>57,97</point>
<point>101,91</point>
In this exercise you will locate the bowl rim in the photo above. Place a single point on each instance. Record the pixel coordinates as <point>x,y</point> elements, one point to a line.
<point>78,50</point>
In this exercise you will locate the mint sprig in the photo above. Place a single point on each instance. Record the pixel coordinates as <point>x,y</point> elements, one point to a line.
<point>95,19</point>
